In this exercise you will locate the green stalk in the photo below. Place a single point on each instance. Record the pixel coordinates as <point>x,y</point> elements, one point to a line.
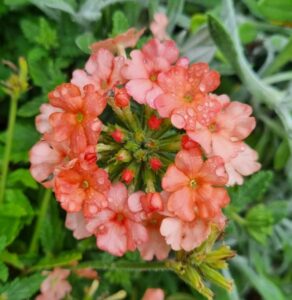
<point>9,140</point>
<point>124,265</point>
<point>43,209</point>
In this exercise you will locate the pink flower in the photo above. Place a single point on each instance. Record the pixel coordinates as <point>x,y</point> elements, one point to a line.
<point>159,25</point>
<point>55,286</point>
<point>102,70</point>
<point>184,235</point>
<point>143,69</point>
<point>149,206</point>
<point>77,124</point>
<point>76,223</point>
<point>42,120</point>
<point>153,294</point>
<point>44,160</point>
<point>223,136</point>
<point>77,188</point>
<point>243,164</point>
<point>117,229</point>
<point>125,40</point>
<point>195,186</point>
<point>184,98</point>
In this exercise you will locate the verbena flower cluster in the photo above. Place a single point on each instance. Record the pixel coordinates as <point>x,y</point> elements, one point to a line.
<point>139,150</point>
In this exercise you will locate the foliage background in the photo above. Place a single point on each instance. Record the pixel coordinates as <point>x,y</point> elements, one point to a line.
<point>249,42</point>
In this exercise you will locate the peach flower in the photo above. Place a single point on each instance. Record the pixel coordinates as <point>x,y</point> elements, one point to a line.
<point>195,186</point>
<point>117,229</point>
<point>185,95</point>
<point>77,124</point>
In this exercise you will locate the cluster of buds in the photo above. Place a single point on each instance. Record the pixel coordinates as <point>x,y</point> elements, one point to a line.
<point>138,150</point>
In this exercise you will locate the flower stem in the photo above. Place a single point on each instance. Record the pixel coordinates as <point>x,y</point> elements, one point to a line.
<point>42,212</point>
<point>9,140</point>
<point>124,265</point>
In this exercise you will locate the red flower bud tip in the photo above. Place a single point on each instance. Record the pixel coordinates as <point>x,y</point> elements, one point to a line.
<point>155,163</point>
<point>154,122</point>
<point>122,98</point>
<point>127,176</point>
<point>118,135</point>
<point>189,144</point>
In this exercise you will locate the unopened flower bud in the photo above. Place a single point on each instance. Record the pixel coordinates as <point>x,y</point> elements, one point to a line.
<point>154,122</point>
<point>118,135</point>
<point>155,163</point>
<point>127,176</point>
<point>123,156</point>
<point>122,98</point>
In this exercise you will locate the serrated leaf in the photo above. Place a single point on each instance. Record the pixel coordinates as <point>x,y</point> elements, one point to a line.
<point>52,230</point>
<point>2,242</point>
<point>84,40</point>
<point>31,108</point>
<point>47,35</point>
<point>10,227</point>
<point>30,29</point>
<point>259,223</point>
<point>279,210</point>
<point>22,176</point>
<point>120,23</point>
<point>17,197</point>
<point>252,190</point>
<point>64,259</point>
<point>3,272</point>
<point>22,288</point>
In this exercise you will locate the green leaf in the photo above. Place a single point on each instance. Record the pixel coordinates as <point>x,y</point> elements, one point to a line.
<point>10,227</point>
<point>197,21</point>
<point>47,36</point>
<point>30,29</point>
<point>84,40</point>
<point>174,10</point>
<point>280,10</point>
<point>52,230</point>
<point>2,242</point>
<point>252,190</point>
<point>11,259</point>
<point>21,176</point>
<point>24,137</point>
<point>266,288</point>
<point>64,259</point>
<point>32,107</point>
<point>120,23</point>
<point>16,2</point>
<point>279,210</point>
<point>3,272</point>
<point>22,288</point>
<point>282,155</point>
<point>283,58</point>
<point>16,205</point>
<point>247,32</point>
<point>259,223</point>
